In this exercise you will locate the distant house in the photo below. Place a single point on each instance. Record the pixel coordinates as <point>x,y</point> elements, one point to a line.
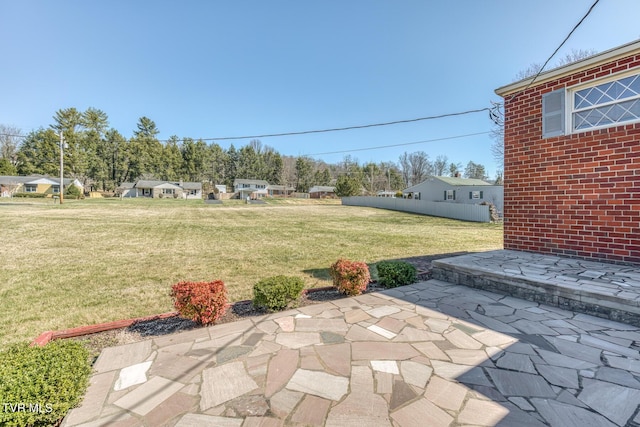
<point>279,190</point>
<point>192,190</point>
<point>35,184</point>
<point>161,189</point>
<point>253,188</point>
<point>127,189</point>
<point>384,193</point>
<point>456,190</point>
<point>322,191</point>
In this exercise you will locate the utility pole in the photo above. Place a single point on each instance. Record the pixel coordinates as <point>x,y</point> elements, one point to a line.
<point>371,169</point>
<point>389,177</point>
<point>61,167</point>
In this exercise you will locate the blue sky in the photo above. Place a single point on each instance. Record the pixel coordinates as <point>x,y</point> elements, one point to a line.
<point>207,69</point>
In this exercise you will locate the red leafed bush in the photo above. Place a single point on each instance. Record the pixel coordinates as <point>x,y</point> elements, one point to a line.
<point>202,302</point>
<point>350,277</point>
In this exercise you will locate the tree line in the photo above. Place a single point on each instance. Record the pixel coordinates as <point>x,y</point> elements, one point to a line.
<point>102,158</point>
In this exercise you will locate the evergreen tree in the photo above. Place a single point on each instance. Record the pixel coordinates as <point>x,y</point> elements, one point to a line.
<point>40,154</point>
<point>217,159</point>
<point>231,166</point>
<point>112,151</point>
<point>322,177</point>
<point>273,166</point>
<point>173,162</point>
<point>7,168</point>
<point>304,176</point>
<point>348,185</point>
<point>249,164</point>
<point>475,170</point>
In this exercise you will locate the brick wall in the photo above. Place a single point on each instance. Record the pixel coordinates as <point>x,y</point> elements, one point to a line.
<point>576,195</point>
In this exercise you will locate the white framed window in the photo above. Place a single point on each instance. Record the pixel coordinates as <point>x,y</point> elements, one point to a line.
<point>598,104</point>
<point>30,188</point>
<point>167,190</point>
<point>146,191</point>
<point>449,194</point>
<point>55,189</point>
<point>606,103</point>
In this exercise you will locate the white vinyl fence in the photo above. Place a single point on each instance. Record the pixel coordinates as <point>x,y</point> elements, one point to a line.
<point>462,211</point>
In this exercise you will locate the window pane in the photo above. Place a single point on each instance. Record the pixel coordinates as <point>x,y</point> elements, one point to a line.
<point>618,106</point>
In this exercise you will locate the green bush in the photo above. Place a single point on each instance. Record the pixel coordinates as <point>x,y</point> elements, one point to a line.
<point>73,192</point>
<point>350,277</point>
<point>396,273</point>
<point>39,385</point>
<point>30,195</point>
<point>278,292</point>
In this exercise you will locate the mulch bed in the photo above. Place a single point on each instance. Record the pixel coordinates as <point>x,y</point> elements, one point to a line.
<point>237,311</point>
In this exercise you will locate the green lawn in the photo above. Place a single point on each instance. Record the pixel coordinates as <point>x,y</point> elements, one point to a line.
<point>99,260</point>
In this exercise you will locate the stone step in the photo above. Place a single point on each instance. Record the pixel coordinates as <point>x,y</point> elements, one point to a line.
<point>609,291</point>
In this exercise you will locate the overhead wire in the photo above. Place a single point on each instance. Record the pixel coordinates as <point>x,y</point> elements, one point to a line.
<point>535,77</point>
<point>399,145</point>
<point>494,112</point>
<point>306,132</point>
<point>340,129</point>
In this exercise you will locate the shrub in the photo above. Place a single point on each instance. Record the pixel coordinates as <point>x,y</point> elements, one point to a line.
<point>73,192</point>
<point>278,292</point>
<point>350,277</point>
<point>202,302</point>
<point>39,385</point>
<point>396,273</point>
<point>30,195</point>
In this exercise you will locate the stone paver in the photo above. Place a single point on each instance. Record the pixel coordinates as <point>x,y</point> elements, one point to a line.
<point>148,395</point>
<point>281,367</point>
<point>224,383</point>
<point>122,356</point>
<point>132,375</point>
<point>432,353</point>
<point>319,384</point>
<point>311,411</point>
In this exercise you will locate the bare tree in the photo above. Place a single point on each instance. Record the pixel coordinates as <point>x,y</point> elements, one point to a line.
<point>574,56</point>
<point>421,167</point>
<point>440,165</point>
<point>405,169</point>
<point>570,57</point>
<point>416,167</point>
<point>288,170</point>
<point>10,139</point>
<point>256,144</point>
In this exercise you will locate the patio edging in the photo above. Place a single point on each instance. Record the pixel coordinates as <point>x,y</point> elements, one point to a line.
<point>48,336</point>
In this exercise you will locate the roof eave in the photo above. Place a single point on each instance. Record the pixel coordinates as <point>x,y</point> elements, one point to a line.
<point>573,68</point>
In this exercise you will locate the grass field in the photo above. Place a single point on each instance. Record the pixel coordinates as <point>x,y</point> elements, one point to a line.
<point>94,261</point>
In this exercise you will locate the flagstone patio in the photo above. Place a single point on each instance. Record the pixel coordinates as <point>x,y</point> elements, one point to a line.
<point>430,354</point>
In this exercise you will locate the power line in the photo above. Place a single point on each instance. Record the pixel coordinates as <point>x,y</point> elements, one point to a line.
<point>399,145</point>
<point>556,51</point>
<point>306,132</point>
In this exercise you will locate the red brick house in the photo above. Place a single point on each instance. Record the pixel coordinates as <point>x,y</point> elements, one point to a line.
<point>572,159</point>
